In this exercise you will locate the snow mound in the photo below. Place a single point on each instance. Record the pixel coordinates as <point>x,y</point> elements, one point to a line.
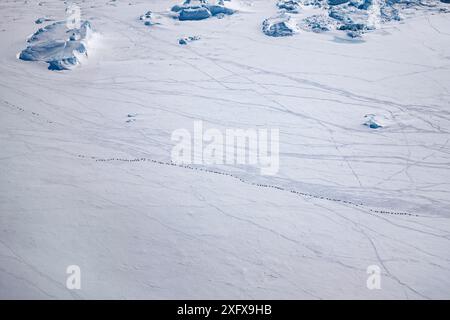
<point>279,26</point>
<point>201,9</point>
<point>60,47</point>
<point>292,6</point>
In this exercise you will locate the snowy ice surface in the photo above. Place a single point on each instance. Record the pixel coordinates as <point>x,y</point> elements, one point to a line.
<point>80,185</point>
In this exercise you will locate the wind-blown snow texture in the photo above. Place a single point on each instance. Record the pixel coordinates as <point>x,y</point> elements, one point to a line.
<point>86,178</point>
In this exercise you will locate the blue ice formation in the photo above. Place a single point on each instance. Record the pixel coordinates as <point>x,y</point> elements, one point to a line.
<point>58,45</point>
<point>194,13</point>
<point>337,2</point>
<point>200,10</point>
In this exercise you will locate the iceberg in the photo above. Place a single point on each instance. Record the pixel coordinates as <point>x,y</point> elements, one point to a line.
<point>194,13</point>
<point>60,47</point>
<point>200,10</point>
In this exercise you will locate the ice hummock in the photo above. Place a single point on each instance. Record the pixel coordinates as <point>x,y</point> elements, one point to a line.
<point>279,26</point>
<point>354,17</point>
<point>59,46</point>
<point>317,23</point>
<point>186,40</point>
<point>194,13</point>
<point>292,6</point>
<point>201,9</point>
<point>147,18</point>
<point>372,121</point>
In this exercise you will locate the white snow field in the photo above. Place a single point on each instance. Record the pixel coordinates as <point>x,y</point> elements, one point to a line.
<point>86,180</point>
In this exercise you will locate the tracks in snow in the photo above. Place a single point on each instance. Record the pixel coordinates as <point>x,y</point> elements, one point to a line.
<point>209,171</point>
